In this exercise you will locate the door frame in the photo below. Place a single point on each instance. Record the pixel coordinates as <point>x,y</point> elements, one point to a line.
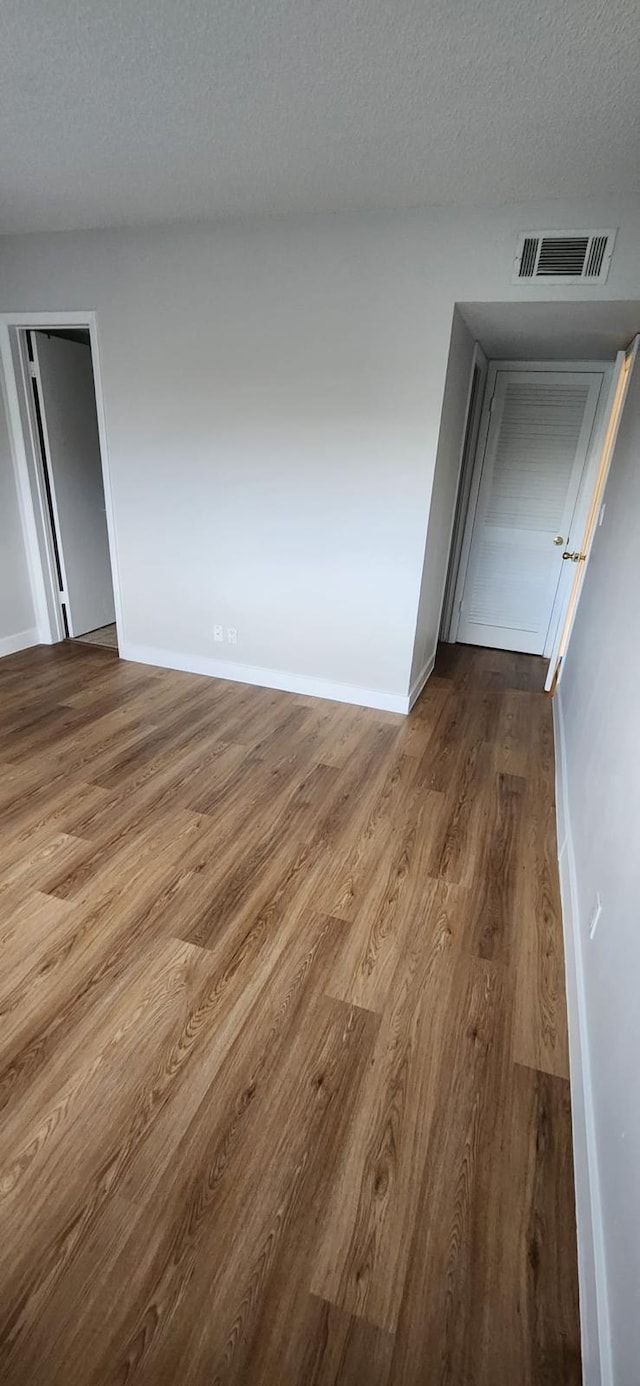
<point>603,368</point>
<point>593,502</point>
<point>472,420</point>
<point>25,453</point>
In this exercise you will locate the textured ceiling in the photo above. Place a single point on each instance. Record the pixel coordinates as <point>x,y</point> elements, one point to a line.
<point>116,112</point>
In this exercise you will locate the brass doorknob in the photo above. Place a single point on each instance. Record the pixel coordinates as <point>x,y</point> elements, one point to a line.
<point>558,540</point>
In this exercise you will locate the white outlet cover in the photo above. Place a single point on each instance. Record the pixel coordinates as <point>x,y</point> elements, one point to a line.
<point>218,633</point>
<point>232,635</point>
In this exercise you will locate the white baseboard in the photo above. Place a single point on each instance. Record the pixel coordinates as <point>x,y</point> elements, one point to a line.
<point>419,682</point>
<point>267,678</point>
<point>11,644</point>
<point>594,1308</point>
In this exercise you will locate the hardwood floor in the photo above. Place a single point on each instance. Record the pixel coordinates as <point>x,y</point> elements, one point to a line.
<point>104,635</point>
<point>283,1052</point>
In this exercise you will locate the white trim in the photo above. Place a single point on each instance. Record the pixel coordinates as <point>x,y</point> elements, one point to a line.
<point>583,498</point>
<point>106,475</point>
<point>450,615</point>
<point>35,558</point>
<point>267,678</point>
<point>482,433</point>
<point>596,1337</point>
<point>591,367</point>
<point>28,384</point>
<point>558,657</point>
<point>420,680</point>
<point>11,644</point>
<point>23,486</point>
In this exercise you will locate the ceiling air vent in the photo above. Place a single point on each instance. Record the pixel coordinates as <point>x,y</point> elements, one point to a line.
<point>564,257</point>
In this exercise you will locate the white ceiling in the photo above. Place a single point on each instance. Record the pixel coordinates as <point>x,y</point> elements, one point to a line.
<point>552,331</point>
<point>117,112</point>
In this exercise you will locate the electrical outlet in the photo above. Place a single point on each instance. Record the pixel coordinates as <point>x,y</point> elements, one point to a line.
<point>232,635</point>
<point>218,633</point>
<point>595,915</point>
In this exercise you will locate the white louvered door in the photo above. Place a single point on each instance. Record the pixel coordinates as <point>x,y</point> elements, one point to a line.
<point>537,443</point>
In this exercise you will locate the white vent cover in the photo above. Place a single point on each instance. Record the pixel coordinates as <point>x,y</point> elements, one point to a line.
<point>564,257</point>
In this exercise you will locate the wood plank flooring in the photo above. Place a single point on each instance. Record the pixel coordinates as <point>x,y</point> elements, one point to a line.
<point>104,635</point>
<point>283,1051</point>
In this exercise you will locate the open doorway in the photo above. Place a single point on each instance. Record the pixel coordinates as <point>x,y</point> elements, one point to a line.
<point>527,485</point>
<point>53,399</point>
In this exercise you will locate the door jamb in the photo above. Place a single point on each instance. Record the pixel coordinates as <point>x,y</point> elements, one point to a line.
<point>607,438</point>
<point>590,367</point>
<point>36,482</point>
<point>35,522</point>
<point>472,420</point>
<point>594,449</point>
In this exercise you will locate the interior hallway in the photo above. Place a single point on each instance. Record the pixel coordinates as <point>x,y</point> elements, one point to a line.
<point>104,635</point>
<point>284,1062</point>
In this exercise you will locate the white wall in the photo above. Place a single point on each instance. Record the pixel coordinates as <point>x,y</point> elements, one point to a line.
<point>599,699</point>
<point>272,396</point>
<point>17,620</point>
<point>443,496</point>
